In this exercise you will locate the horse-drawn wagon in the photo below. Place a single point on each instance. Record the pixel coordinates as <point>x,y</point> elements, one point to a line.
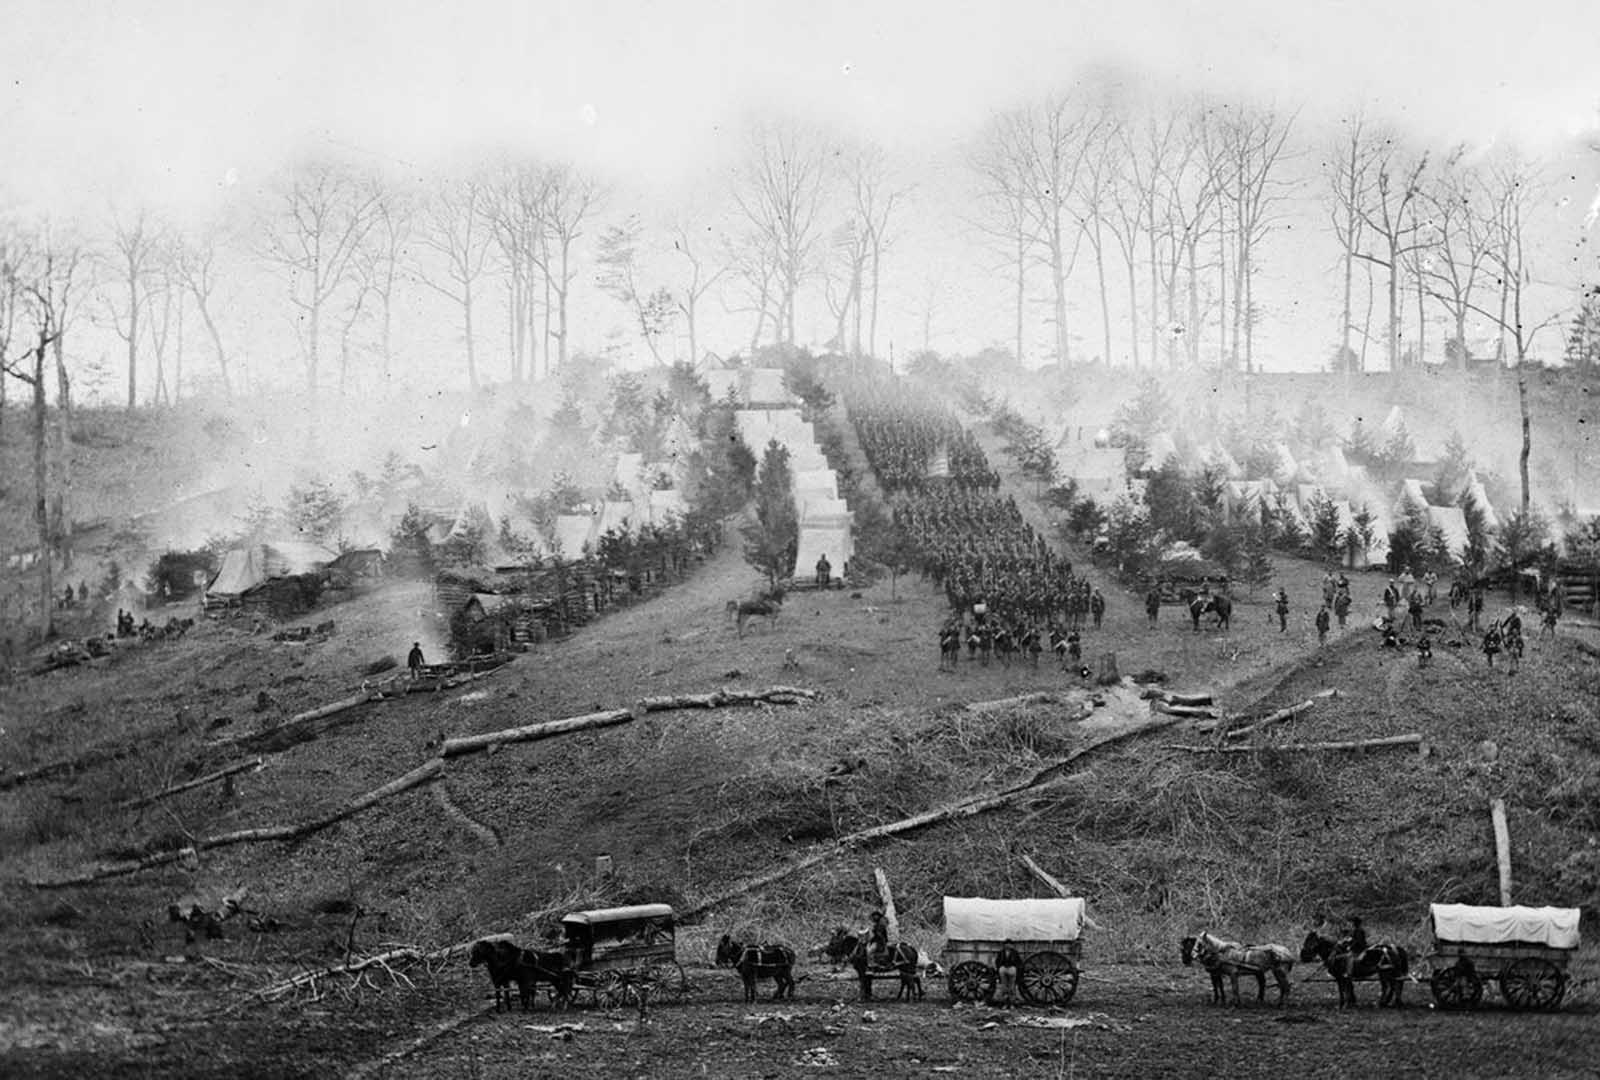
<point>1524,949</point>
<point>618,951</point>
<point>1046,932</point>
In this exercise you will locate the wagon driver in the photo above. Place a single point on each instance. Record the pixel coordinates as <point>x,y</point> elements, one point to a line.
<point>1007,964</point>
<point>878,940</point>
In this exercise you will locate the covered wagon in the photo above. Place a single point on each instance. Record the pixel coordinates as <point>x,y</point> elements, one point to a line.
<point>1525,950</point>
<point>1046,932</point>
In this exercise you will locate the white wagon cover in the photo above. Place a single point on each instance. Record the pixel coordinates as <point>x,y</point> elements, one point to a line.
<point>973,918</point>
<point>1554,927</point>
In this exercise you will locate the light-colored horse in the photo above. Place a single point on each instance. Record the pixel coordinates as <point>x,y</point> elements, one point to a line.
<point>1230,959</point>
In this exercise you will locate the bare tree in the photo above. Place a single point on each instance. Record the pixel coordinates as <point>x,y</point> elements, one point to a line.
<point>618,257</point>
<point>322,218</point>
<point>1054,140</point>
<point>563,199</point>
<point>166,299</point>
<point>699,280</point>
<point>1457,232</point>
<point>31,320</point>
<point>876,198</point>
<point>1093,198</point>
<point>384,252</point>
<point>779,190</point>
<point>196,268</point>
<point>455,226</point>
<point>1386,214</point>
<point>135,241</point>
<point>1351,174</point>
<point>846,262</point>
<point>1001,170</point>
<point>511,207</point>
<point>1513,186</point>
<point>1253,142</point>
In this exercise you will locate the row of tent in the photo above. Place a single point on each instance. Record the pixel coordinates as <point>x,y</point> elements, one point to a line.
<point>826,522</point>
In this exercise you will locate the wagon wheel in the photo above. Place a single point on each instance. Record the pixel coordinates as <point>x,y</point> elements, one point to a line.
<point>1533,983</point>
<point>971,980</point>
<point>666,981</point>
<point>1048,978</point>
<point>1456,987</point>
<point>609,989</point>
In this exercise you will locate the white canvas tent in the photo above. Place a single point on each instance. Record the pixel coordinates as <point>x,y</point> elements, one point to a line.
<point>832,540</point>
<point>1452,522</point>
<point>573,532</point>
<point>244,568</point>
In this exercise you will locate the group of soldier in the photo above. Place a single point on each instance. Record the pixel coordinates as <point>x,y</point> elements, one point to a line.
<point>903,434</point>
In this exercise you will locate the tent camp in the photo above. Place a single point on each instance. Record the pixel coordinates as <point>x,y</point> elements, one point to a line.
<point>1451,521</point>
<point>573,532</point>
<point>1101,473</point>
<point>665,506</point>
<point>244,568</point>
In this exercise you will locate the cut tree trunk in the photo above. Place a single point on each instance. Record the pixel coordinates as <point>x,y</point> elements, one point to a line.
<point>1502,848</point>
<point>199,781</point>
<point>777,695</point>
<point>890,916</point>
<point>1357,744</point>
<point>1045,779</point>
<point>1279,717</point>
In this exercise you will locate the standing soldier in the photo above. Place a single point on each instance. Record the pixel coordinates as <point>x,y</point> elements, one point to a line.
<point>1430,582</point>
<point>1341,607</point>
<point>1282,607</point>
<point>1322,625</point>
<point>414,661</point>
<point>1097,608</point>
<point>1391,598</point>
<point>1414,609</point>
<point>1152,604</point>
<point>1491,642</point>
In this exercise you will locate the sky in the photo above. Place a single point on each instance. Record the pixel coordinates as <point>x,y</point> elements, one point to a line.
<point>178,103</point>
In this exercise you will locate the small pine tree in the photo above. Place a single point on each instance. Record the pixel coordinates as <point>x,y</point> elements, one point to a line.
<point>1257,570</point>
<point>1325,539</point>
<point>771,540</point>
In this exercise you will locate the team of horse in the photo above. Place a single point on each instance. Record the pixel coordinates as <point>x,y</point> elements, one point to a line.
<point>1387,963</point>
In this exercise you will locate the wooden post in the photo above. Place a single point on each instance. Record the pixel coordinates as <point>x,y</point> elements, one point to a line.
<point>1502,847</point>
<point>889,915</point>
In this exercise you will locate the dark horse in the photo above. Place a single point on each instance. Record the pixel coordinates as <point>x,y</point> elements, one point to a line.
<point>845,947</point>
<point>1220,606</point>
<point>752,962</point>
<point>1387,963</point>
<point>526,967</point>
<point>1224,959</point>
<point>767,607</point>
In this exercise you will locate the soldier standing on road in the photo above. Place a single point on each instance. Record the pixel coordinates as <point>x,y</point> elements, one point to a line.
<point>1097,608</point>
<point>414,661</point>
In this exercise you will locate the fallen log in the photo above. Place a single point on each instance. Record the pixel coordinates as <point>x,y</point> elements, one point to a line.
<point>1357,744</point>
<point>1204,712</point>
<point>1020,701</point>
<point>424,774</point>
<point>427,773</point>
<point>97,756</point>
<point>302,727</point>
<point>1173,698</point>
<point>1279,717</point>
<point>777,695</point>
<point>1048,778</point>
<point>200,781</point>
<point>1048,881</point>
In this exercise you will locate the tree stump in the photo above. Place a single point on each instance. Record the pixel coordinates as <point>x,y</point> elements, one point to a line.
<point>1109,676</point>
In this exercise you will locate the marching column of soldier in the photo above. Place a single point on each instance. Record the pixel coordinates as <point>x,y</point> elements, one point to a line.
<point>1011,596</point>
